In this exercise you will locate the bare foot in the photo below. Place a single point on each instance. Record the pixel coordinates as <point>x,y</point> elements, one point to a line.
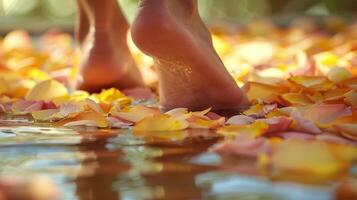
<point>106,59</point>
<point>190,72</point>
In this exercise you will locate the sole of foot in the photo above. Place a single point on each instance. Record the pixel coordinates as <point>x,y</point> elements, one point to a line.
<point>190,72</point>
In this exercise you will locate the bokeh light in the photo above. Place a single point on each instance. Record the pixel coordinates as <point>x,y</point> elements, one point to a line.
<point>29,14</point>
<point>18,7</point>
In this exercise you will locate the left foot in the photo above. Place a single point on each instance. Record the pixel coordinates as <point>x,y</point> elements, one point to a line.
<point>106,60</point>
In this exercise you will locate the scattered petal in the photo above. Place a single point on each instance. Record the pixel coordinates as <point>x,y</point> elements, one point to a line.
<point>242,147</point>
<point>161,123</point>
<point>312,157</point>
<point>88,118</point>
<point>135,113</point>
<point>207,123</point>
<point>253,130</point>
<point>47,91</point>
<point>348,130</point>
<point>296,99</point>
<point>339,74</point>
<point>240,120</point>
<point>277,124</point>
<point>264,92</point>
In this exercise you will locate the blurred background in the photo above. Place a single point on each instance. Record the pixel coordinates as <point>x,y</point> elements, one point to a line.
<point>39,15</point>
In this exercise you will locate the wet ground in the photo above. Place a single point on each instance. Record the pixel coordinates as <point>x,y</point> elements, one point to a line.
<point>114,164</point>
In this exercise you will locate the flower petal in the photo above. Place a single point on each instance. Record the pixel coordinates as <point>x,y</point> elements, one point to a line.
<point>160,123</point>
<point>240,120</point>
<point>47,91</point>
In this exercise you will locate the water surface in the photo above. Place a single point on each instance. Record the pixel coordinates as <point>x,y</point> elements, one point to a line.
<point>88,163</point>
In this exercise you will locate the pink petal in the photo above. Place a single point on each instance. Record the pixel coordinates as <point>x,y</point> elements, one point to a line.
<point>240,120</point>
<point>297,135</point>
<point>278,124</point>
<point>327,113</point>
<point>251,148</point>
<point>213,116</point>
<point>334,139</point>
<point>48,105</point>
<point>302,123</point>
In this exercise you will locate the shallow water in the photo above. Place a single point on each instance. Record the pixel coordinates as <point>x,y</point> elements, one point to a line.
<point>114,164</point>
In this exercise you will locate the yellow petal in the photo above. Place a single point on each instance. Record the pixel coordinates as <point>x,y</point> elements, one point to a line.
<point>159,136</point>
<point>206,123</point>
<point>254,130</point>
<point>296,99</point>
<point>46,115</point>
<point>135,113</point>
<point>161,123</point>
<point>92,118</point>
<point>179,113</point>
<point>110,95</point>
<point>317,83</point>
<point>339,74</point>
<point>348,130</point>
<point>312,157</point>
<point>47,91</point>
<point>308,81</point>
<point>94,106</point>
<point>3,86</point>
<point>264,92</point>
<point>351,98</point>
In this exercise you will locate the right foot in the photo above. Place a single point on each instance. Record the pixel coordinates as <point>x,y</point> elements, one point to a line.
<point>190,72</point>
<point>106,60</point>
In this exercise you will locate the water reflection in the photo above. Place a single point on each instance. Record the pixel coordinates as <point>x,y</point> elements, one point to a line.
<point>100,171</point>
<point>141,168</point>
<point>223,185</point>
<point>117,164</point>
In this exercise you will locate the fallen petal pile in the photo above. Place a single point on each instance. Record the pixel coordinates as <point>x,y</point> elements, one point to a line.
<point>301,81</point>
